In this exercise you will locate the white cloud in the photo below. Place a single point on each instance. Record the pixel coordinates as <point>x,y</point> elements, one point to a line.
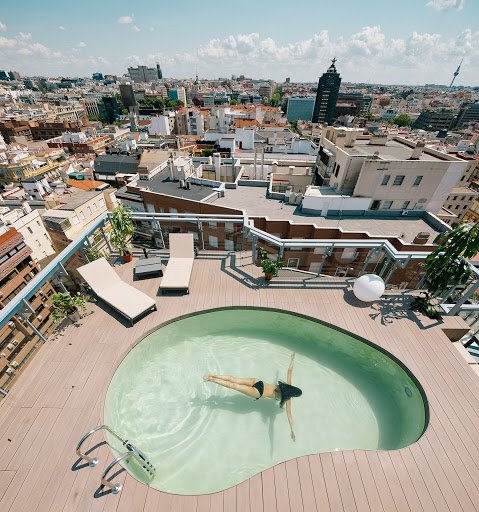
<point>81,44</point>
<point>135,28</point>
<point>151,29</point>
<point>3,27</point>
<point>446,5</point>
<point>125,20</point>
<point>61,27</point>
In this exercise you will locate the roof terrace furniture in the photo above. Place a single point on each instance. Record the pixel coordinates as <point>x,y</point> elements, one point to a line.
<point>148,267</point>
<point>178,270</point>
<point>105,283</point>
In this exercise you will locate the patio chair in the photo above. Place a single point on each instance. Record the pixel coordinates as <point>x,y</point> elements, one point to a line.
<point>107,286</point>
<point>180,265</point>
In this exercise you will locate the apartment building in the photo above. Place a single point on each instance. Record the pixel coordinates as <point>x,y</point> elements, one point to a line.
<point>20,166</point>
<point>29,223</point>
<point>355,173</point>
<point>18,339</point>
<point>80,142</point>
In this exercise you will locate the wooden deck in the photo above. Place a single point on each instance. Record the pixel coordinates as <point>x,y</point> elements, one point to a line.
<point>60,395</point>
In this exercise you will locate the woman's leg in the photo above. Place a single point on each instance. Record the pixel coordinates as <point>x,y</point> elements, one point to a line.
<point>245,381</point>
<point>241,388</point>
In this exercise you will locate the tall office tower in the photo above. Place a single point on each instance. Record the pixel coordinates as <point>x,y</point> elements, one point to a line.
<point>127,95</point>
<point>327,95</point>
<point>143,74</point>
<point>159,72</point>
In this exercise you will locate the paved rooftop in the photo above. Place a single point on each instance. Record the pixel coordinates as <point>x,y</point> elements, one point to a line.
<point>393,150</point>
<point>60,396</point>
<point>254,202</point>
<point>163,184</point>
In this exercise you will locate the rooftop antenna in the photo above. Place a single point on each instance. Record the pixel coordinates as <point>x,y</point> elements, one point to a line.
<point>456,72</point>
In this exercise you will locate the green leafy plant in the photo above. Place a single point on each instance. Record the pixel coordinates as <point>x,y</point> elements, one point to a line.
<point>122,229</point>
<point>94,254</point>
<point>64,304</point>
<point>447,266</point>
<point>271,267</point>
<point>422,303</point>
<point>261,253</point>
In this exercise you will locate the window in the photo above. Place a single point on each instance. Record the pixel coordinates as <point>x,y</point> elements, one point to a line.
<point>82,216</point>
<point>336,172</point>
<point>405,205</point>
<point>102,202</point>
<point>385,179</point>
<point>75,220</point>
<point>449,206</point>
<point>464,207</point>
<point>398,180</point>
<point>30,230</point>
<point>417,181</point>
<point>387,205</point>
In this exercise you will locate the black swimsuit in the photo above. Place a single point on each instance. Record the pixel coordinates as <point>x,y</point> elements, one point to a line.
<point>260,387</point>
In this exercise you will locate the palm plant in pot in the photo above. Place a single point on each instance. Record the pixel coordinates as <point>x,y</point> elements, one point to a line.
<point>122,230</point>
<point>261,255</point>
<point>66,305</point>
<point>270,268</point>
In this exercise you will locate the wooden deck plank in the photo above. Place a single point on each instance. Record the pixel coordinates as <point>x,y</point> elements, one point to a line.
<point>256,493</point>
<point>294,486</point>
<point>355,480</point>
<point>306,483</point>
<point>281,488</point>
<point>5,479</point>
<point>269,494</point>
<point>242,496</point>
<point>331,482</point>
<point>319,485</point>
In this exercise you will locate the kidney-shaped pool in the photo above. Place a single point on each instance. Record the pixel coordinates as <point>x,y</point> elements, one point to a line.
<point>203,438</point>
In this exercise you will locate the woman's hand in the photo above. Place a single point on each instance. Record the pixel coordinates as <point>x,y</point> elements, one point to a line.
<point>292,356</point>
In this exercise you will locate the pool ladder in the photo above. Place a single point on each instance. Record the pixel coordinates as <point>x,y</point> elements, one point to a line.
<point>132,452</point>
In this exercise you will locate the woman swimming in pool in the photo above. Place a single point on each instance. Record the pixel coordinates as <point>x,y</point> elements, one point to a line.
<point>256,388</point>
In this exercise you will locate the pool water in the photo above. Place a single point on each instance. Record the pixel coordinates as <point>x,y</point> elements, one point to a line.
<point>202,437</point>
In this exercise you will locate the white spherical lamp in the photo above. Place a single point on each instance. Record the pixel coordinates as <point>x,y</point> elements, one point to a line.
<point>369,287</point>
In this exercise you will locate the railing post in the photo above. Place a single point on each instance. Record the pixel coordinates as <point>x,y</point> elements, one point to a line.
<point>457,306</point>
<point>253,247</point>
<point>34,329</point>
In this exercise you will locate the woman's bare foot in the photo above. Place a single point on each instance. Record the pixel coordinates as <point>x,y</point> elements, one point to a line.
<point>207,378</point>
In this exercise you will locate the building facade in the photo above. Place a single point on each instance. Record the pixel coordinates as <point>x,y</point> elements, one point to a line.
<point>18,340</point>
<point>300,109</point>
<point>143,74</point>
<point>434,120</point>
<point>327,95</point>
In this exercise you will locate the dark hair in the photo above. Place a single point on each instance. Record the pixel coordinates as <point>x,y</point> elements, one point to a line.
<point>287,391</point>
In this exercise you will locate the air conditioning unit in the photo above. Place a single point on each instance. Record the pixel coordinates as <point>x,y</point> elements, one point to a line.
<point>405,212</point>
<point>14,364</point>
<point>2,354</point>
<point>10,346</point>
<point>9,371</point>
<point>39,317</point>
<point>15,341</point>
<point>11,324</point>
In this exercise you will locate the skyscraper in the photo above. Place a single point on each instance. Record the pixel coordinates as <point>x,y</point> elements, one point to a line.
<point>127,95</point>
<point>327,95</point>
<point>159,72</point>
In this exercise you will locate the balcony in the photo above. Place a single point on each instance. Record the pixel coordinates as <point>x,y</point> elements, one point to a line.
<point>60,394</point>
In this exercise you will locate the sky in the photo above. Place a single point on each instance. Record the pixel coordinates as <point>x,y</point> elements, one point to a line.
<point>375,41</point>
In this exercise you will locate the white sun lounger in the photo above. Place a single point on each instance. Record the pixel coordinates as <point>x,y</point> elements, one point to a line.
<point>122,297</point>
<point>180,265</point>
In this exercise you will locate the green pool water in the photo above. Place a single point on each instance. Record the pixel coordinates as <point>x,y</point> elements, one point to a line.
<point>202,438</point>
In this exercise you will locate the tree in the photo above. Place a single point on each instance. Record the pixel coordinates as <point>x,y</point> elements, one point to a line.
<point>234,102</point>
<point>94,118</point>
<point>447,266</point>
<point>207,152</point>
<point>402,120</point>
<point>124,111</point>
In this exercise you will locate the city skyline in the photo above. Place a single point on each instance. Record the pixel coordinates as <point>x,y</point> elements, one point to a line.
<point>414,42</point>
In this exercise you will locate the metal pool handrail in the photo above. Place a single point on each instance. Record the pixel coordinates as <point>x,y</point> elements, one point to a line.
<point>132,451</point>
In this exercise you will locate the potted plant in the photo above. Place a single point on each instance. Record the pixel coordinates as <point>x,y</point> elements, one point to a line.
<point>270,268</point>
<point>122,231</point>
<point>261,255</point>
<point>447,266</point>
<point>66,305</point>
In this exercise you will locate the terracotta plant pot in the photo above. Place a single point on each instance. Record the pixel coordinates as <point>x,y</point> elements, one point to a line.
<point>127,257</point>
<point>268,277</point>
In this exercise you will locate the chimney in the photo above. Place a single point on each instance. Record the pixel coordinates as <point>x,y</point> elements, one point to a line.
<point>291,169</point>
<point>217,163</point>
<point>417,151</point>
<point>274,166</point>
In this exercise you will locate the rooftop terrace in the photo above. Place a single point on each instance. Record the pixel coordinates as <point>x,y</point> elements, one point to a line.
<point>60,397</point>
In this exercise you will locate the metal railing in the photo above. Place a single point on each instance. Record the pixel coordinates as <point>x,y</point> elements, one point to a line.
<point>132,452</point>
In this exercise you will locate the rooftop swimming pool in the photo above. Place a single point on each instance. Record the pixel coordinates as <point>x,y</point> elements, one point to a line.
<point>203,438</point>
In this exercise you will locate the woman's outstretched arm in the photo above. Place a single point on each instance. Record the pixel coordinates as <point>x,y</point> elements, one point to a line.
<point>290,369</point>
